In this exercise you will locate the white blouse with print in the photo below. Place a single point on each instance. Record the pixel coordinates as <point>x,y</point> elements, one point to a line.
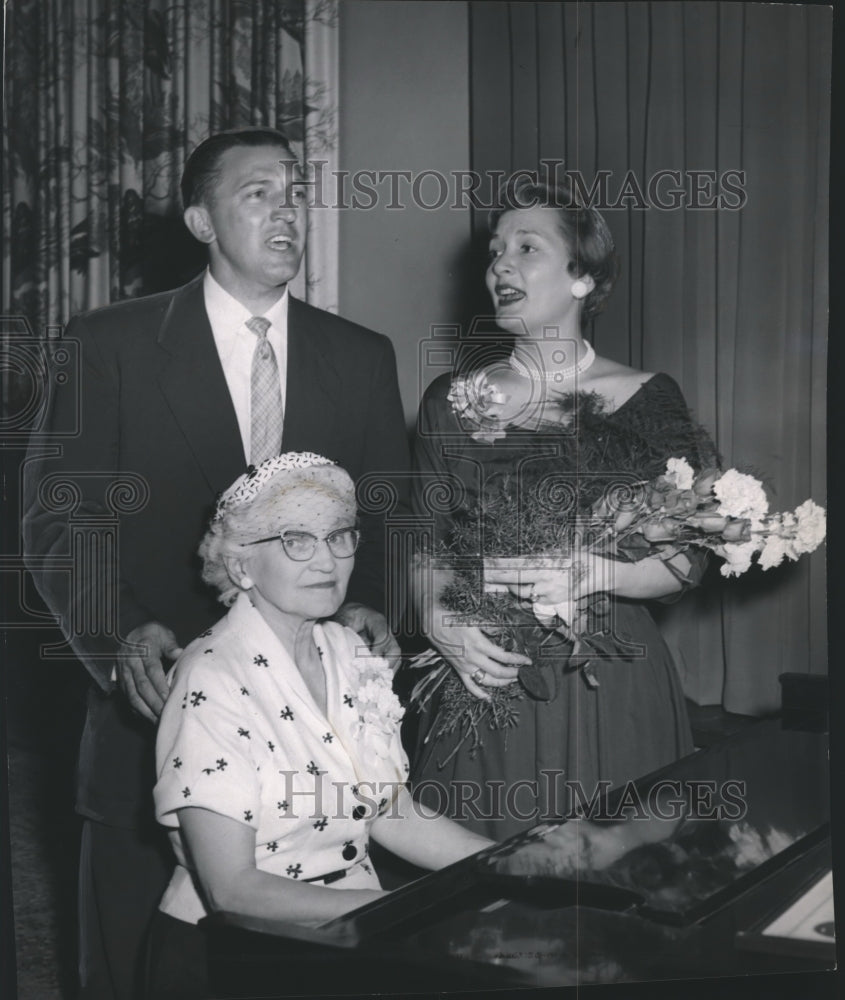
<point>242,736</point>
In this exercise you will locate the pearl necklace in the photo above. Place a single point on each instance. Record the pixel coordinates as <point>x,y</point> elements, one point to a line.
<point>562,373</point>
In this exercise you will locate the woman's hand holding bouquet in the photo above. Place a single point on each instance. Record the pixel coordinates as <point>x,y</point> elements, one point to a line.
<point>727,513</point>
<point>631,542</point>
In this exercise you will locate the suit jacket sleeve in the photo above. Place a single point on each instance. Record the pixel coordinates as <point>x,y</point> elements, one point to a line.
<point>73,492</point>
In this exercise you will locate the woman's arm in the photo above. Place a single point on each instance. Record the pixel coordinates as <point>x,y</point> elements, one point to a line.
<point>646,580</point>
<point>554,580</point>
<point>223,852</point>
<point>425,838</point>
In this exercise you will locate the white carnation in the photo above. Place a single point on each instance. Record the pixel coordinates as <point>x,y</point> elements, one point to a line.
<point>379,710</point>
<point>740,495</point>
<point>370,691</point>
<point>811,527</point>
<point>737,557</point>
<point>775,550</point>
<point>371,716</point>
<point>680,473</point>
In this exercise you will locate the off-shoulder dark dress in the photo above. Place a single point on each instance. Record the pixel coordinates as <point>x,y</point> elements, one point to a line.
<point>633,720</point>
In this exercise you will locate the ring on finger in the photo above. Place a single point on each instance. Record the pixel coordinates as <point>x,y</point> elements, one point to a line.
<point>478,676</point>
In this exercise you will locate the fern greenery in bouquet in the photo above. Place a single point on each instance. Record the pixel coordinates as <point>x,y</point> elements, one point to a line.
<point>565,519</point>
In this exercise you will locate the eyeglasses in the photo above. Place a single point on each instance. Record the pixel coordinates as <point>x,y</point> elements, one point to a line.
<point>301,545</point>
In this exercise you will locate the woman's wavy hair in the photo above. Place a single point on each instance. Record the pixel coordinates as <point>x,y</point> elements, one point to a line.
<point>220,543</point>
<point>583,228</point>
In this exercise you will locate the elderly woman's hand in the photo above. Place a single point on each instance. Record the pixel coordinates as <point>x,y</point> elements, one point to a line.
<point>373,628</point>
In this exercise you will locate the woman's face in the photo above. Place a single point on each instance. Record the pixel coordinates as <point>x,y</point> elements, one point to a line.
<point>527,276</point>
<point>316,587</point>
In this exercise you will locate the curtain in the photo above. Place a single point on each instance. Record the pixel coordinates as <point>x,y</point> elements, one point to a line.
<point>730,300</point>
<point>105,100</point>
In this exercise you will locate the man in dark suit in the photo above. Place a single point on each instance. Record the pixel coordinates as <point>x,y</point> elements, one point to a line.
<point>169,407</point>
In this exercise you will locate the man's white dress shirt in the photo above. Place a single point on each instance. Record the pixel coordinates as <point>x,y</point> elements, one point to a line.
<point>235,344</point>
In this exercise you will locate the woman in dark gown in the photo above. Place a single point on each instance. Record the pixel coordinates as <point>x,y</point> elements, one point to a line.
<point>552,416</point>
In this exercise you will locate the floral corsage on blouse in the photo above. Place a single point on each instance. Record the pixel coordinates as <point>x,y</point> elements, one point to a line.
<point>379,710</point>
<point>477,403</point>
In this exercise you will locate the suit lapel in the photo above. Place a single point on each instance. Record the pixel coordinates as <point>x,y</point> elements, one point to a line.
<point>313,385</point>
<point>195,388</point>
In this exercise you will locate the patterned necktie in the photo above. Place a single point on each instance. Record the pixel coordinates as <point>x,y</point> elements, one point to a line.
<point>266,396</point>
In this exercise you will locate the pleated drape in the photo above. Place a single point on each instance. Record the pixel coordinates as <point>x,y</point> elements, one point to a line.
<point>730,300</point>
<point>104,102</point>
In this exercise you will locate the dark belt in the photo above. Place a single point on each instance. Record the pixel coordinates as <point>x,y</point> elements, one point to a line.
<point>331,877</point>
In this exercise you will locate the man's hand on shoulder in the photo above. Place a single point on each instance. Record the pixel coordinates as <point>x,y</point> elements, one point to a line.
<point>140,672</point>
<point>373,628</point>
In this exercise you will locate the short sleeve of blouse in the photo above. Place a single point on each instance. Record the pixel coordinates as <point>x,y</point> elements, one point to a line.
<point>660,412</point>
<point>203,745</point>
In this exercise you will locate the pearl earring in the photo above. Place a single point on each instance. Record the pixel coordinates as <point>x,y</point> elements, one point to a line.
<point>247,582</point>
<point>580,289</point>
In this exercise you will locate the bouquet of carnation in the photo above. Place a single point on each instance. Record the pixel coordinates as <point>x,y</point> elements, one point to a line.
<point>726,513</point>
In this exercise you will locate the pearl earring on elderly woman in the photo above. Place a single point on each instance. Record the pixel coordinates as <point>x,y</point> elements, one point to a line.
<point>247,582</point>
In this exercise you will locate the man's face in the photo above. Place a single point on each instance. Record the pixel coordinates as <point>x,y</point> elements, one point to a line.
<point>256,223</point>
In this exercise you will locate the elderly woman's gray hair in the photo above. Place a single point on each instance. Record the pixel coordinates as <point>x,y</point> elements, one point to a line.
<point>293,486</point>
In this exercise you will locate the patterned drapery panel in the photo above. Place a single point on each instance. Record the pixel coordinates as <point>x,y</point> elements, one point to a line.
<point>105,101</point>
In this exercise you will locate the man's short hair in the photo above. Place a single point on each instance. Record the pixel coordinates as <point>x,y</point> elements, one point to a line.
<point>202,166</point>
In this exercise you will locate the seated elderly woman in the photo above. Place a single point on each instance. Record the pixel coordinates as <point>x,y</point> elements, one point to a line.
<point>278,751</point>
